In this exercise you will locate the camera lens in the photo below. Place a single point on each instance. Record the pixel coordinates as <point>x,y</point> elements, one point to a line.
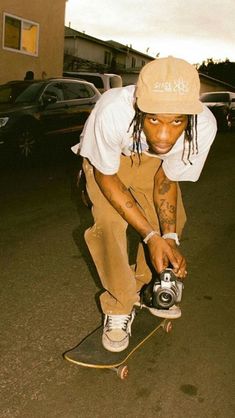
<point>165,297</point>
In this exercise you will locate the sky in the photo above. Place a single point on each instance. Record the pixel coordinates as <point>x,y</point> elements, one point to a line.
<point>194,30</point>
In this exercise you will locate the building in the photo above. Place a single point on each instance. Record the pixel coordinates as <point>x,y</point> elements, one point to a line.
<point>86,53</point>
<point>31,38</point>
<point>212,84</point>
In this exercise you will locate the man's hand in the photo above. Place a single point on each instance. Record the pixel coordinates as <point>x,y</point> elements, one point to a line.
<point>164,252</point>
<point>181,272</point>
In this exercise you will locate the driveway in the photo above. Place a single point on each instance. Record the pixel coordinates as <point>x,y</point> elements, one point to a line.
<point>48,303</point>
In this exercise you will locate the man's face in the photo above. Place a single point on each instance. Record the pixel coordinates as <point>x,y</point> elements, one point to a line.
<point>163,130</point>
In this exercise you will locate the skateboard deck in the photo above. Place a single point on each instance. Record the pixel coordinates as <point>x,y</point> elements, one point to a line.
<point>91,353</point>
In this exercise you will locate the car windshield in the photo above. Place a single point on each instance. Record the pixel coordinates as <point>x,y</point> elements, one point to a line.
<point>19,92</point>
<point>215,97</point>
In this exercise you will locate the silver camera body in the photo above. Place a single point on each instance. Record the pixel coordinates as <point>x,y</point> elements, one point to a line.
<point>167,290</point>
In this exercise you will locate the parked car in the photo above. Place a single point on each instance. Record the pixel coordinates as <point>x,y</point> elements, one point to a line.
<point>222,105</point>
<point>101,81</point>
<point>32,110</point>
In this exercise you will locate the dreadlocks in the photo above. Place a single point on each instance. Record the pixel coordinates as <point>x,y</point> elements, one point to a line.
<point>190,138</point>
<point>138,123</point>
<point>190,135</point>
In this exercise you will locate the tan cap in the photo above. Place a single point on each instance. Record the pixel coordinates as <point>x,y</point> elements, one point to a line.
<point>169,85</point>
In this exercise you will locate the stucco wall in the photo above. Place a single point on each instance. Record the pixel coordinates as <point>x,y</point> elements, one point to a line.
<point>50,16</point>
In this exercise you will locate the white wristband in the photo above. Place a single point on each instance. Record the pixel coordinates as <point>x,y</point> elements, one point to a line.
<point>172,235</point>
<point>150,235</point>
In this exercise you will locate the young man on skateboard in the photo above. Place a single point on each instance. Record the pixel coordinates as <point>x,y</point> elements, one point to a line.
<point>137,144</point>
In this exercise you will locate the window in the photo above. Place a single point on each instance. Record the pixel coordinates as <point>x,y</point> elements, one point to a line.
<point>20,35</point>
<point>96,80</point>
<point>133,62</point>
<point>75,91</point>
<point>107,58</point>
<point>19,92</point>
<point>29,94</point>
<point>55,89</point>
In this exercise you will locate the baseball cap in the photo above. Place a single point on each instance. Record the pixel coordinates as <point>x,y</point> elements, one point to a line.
<point>169,85</point>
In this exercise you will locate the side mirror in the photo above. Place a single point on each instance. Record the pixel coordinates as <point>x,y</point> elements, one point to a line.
<point>49,99</point>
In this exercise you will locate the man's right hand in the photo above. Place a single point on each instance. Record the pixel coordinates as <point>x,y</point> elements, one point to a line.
<point>162,255</point>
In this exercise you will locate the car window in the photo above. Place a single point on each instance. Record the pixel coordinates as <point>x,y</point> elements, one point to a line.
<point>215,97</point>
<point>19,92</point>
<point>29,94</point>
<point>6,94</point>
<point>73,91</point>
<point>96,80</point>
<point>55,89</point>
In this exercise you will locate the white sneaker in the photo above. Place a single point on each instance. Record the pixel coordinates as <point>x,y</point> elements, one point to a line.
<point>117,330</point>
<point>173,312</point>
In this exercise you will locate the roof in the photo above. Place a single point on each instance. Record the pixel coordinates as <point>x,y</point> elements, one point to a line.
<point>71,33</point>
<point>127,48</point>
<point>215,80</point>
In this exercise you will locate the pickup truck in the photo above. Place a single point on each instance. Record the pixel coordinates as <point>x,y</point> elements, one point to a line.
<point>101,81</point>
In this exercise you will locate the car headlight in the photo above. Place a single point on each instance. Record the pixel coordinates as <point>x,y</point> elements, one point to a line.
<point>3,121</point>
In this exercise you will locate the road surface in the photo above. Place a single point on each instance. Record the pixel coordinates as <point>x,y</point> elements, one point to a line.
<point>48,303</point>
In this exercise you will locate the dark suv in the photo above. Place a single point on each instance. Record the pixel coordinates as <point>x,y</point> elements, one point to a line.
<point>222,105</point>
<point>32,110</point>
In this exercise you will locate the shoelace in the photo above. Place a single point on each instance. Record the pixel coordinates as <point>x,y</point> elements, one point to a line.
<point>119,322</point>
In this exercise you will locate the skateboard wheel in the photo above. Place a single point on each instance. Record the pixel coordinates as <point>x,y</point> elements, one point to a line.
<point>122,372</point>
<point>168,326</point>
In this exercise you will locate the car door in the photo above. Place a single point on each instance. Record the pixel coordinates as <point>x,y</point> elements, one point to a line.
<point>80,99</point>
<point>53,115</point>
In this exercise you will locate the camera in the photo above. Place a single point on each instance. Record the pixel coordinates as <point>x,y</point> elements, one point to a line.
<point>167,290</point>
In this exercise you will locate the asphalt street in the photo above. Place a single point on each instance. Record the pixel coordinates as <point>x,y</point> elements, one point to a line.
<point>48,302</point>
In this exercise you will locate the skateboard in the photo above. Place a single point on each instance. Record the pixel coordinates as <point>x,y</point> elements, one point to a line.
<point>91,353</point>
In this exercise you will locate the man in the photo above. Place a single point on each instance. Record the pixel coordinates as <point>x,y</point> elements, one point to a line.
<point>137,144</point>
<point>29,75</point>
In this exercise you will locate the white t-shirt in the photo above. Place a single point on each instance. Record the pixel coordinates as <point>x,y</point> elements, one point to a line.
<point>107,134</point>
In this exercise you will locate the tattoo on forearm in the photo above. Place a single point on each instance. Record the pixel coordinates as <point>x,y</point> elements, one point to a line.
<point>123,188</point>
<point>165,186</point>
<point>166,213</point>
<point>120,208</point>
<point>127,204</point>
<point>164,205</point>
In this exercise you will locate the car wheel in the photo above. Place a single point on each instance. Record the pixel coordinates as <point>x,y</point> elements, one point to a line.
<point>27,141</point>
